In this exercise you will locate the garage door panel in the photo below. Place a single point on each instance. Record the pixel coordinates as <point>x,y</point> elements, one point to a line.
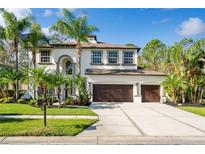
<point>112,93</point>
<point>150,93</point>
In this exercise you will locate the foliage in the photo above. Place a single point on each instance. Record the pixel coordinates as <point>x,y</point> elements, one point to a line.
<point>59,79</point>
<point>131,45</point>
<point>33,40</point>
<point>10,75</point>
<point>76,28</point>
<point>21,101</point>
<point>69,100</point>
<point>38,78</point>
<point>83,96</point>
<point>6,100</point>
<point>13,33</point>
<point>33,102</point>
<point>184,64</point>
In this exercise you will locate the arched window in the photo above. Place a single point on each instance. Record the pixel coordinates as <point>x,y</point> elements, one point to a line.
<point>68,67</point>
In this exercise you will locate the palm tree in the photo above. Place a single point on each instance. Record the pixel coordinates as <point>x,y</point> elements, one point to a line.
<point>59,80</point>
<point>76,28</point>
<point>14,29</point>
<point>84,95</point>
<point>3,54</point>
<point>38,77</point>
<point>195,71</point>
<point>174,86</point>
<point>33,40</point>
<point>10,75</point>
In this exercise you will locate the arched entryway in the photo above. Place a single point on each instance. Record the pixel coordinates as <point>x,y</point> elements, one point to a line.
<point>66,66</point>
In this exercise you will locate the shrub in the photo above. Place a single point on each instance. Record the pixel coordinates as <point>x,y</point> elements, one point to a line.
<point>21,92</point>
<point>6,100</point>
<point>33,102</point>
<point>84,97</point>
<point>21,101</point>
<point>69,100</point>
<point>49,100</point>
<point>10,92</point>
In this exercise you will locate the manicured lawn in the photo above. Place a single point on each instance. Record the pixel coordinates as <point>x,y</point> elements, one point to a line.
<point>20,109</point>
<point>34,127</point>
<point>196,110</point>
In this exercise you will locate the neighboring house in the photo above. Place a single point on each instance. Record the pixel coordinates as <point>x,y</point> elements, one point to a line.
<point>111,71</point>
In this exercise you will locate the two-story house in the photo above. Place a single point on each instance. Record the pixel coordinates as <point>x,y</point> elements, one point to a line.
<point>111,71</point>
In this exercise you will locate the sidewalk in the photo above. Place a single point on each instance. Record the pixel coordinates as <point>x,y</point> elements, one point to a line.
<point>124,140</point>
<point>49,116</point>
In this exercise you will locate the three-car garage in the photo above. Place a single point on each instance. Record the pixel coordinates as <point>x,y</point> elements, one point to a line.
<point>125,85</point>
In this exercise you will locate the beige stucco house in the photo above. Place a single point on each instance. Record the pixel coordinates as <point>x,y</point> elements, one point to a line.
<point>111,71</point>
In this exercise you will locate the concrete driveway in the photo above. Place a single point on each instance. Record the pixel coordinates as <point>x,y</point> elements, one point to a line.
<point>148,119</point>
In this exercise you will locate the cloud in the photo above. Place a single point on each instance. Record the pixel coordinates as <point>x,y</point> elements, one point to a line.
<point>47,13</point>
<point>192,26</point>
<point>19,13</point>
<point>45,30</point>
<point>59,13</point>
<point>162,21</point>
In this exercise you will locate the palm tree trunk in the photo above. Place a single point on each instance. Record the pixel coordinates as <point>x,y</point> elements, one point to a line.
<point>16,56</point>
<point>78,57</point>
<point>34,58</point>
<point>34,93</point>
<point>59,91</point>
<point>52,97</point>
<point>14,86</point>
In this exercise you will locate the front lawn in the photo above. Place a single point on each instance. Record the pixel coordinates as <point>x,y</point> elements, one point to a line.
<point>24,109</point>
<point>34,127</point>
<point>193,109</point>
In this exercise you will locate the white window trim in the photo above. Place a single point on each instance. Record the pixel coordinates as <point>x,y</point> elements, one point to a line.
<point>92,51</point>
<point>133,57</point>
<point>45,56</point>
<point>117,51</point>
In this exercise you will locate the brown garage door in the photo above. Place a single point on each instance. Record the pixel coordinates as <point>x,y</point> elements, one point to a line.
<point>112,93</point>
<point>150,93</point>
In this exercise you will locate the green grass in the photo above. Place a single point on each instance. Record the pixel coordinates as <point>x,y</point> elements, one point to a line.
<point>24,109</point>
<point>196,110</point>
<point>34,127</point>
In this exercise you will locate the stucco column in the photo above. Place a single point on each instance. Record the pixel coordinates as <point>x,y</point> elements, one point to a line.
<point>137,93</point>
<point>162,98</point>
<point>73,76</point>
<point>57,67</point>
<point>104,57</point>
<point>120,57</point>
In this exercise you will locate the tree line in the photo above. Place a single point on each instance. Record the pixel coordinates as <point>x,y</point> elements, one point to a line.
<point>184,64</point>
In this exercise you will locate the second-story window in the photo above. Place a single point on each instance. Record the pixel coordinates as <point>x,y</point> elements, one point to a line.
<point>45,56</point>
<point>112,57</point>
<point>96,57</point>
<point>128,57</point>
